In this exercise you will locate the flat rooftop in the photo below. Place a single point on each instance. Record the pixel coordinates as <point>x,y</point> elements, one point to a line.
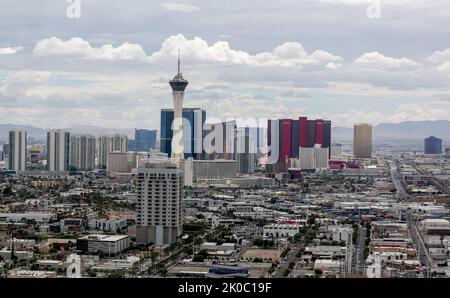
<point>100,237</point>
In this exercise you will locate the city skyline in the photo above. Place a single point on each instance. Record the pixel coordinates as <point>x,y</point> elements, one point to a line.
<point>193,142</point>
<point>63,77</point>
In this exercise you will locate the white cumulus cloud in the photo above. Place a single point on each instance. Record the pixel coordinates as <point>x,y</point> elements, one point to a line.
<point>377,60</point>
<point>442,57</point>
<point>10,50</point>
<point>289,54</point>
<point>77,47</point>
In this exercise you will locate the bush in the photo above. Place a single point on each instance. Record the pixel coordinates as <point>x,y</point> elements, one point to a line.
<point>194,227</point>
<point>201,256</point>
<point>263,243</point>
<point>366,252</point>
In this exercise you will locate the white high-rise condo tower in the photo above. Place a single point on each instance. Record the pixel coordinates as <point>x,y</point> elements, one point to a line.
<point>58,150</point>
<point>17,150</point>
<point>82,152</point>
<point>159,209</point>
<point>178,85</point>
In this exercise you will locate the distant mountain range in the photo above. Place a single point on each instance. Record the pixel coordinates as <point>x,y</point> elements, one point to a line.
<point>404,131</point>
<point>37,134</point>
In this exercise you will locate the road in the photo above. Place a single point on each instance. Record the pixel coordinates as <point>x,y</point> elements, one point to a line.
<point>291,257</point>
<point>401,193</point>
<point>359,251</point>
<point>422,250</point>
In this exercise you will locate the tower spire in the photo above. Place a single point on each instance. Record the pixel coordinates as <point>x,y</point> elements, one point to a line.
<point>179,61</point>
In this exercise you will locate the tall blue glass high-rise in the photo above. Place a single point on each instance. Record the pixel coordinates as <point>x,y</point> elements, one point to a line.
<point>433,145</point>
<point>193,134</point>
<point>145,139</point>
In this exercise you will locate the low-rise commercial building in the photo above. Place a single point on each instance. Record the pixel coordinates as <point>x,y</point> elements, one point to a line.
<point>107,225</point>
<point>281,230</point>
<point>107,244</point>
<point>20,217</point>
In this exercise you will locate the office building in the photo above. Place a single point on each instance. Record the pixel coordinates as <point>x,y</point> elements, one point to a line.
<point>82,152</point>
<point>117,162</point>
<point>160,193</point>
<point>433,145</point>
<point>193,133</point>
<point>178,85</point>
<point>17,158</point>
<point>144,140</point>
<point>447,152</point>
<point>110,245</point>
<point>58,150</point>
<point>110,143</point>
<point>362,140</point>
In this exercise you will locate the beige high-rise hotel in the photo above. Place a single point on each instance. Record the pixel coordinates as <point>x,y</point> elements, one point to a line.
<point>362,140</point>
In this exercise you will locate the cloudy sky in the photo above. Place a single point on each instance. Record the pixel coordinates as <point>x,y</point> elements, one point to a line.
<point>252,58</point>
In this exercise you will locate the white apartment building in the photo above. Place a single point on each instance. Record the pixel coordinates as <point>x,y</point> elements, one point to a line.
<point>58,150</point>
<point>110,143</point>
<point>160,192</point>
<point>17,150</point>
<point>82,152</point>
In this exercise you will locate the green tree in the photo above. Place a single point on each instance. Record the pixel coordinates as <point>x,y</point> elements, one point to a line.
<point>7,191</point>
<point>201,256</point>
